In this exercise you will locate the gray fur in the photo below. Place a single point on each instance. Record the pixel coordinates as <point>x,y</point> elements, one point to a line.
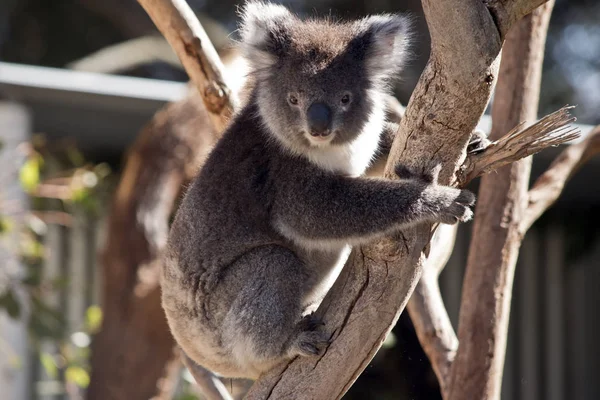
<point>266,226</point>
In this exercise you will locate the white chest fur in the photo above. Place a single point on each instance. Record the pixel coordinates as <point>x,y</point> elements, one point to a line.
<point>352,158</point>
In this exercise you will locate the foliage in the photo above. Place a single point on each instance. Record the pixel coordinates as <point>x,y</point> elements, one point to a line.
<point>60,183</point>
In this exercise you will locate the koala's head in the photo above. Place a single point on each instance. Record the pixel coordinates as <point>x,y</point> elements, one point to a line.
<point>318,82</point>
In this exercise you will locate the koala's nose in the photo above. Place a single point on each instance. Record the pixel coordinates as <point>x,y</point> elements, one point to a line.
<point>319,119</point>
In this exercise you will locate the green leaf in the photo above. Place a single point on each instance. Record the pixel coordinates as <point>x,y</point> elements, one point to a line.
<point>77,375</point>
<point>47,361</point>
<point>102,170</point>
<point>6,225</point>
<point>187,396</point>
<point>93,319</point>
<point>75,156</point>
<point>33,277</point>
<point>8,301</point>
<point>32,249</point>
<point>29,175</point>
<point>45,322</point>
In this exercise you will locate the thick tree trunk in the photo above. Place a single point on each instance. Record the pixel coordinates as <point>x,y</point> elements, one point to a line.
<point>485,306</point>
<point>129,354</point>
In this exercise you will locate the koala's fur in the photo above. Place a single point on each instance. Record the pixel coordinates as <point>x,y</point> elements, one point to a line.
<point>267,225</point>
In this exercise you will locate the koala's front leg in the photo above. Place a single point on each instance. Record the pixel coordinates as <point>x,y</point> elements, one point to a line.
<point>322,207</point>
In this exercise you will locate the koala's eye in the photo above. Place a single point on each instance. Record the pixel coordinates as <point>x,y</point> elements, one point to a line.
<point>293,99</point>
<point>345,100</point>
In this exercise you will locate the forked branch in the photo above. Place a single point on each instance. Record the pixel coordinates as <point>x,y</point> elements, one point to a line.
<point>507,12</point>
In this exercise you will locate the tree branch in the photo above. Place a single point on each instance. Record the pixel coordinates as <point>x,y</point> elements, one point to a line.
<point>426,307</point>
<point>428,312</point>
<point>178,24</point>
<point>552,130</point>
<point>507,12</point>
<point>210,386</point>
<point>550,184</point>
<point>487,287</point>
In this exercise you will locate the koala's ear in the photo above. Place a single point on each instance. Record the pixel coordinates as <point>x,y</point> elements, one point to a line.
<point>264,32</point>
<point>387,46</point>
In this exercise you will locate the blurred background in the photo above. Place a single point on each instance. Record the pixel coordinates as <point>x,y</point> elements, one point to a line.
<point>79,80</point>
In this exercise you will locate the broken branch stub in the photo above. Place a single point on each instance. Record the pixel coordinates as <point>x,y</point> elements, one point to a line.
<point>552,130</point>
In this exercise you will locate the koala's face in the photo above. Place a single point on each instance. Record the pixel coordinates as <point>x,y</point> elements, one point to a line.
<point>316,106</point>
<point>320,83</point>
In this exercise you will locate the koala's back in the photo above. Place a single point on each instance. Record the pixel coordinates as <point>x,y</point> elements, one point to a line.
<point>225,211</point>
<point>224,215</point>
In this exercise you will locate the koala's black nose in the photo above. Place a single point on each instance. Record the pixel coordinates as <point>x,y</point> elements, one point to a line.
<point>319,119</point>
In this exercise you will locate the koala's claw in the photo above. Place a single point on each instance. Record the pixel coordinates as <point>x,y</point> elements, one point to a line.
<point>312,343</point>
<point>466,197</point>
<point>310,322</point>
<point>478,143</point>
<point>459,210</point>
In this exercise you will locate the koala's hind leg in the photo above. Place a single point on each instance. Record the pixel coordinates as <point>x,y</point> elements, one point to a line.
<point>264,324</point>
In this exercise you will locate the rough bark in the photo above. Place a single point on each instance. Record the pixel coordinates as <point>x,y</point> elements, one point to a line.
<point>375,285</point>
<point>134,335</point>
<point>428,312</point>
<point>485,305</point>
<point>426,306</point>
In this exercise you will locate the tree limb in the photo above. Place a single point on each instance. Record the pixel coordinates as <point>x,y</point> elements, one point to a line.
<point>552,130</point>
<point>166,155</point>
<point>428,312</point>
<point>178,24</point>
<point>550,184</point>
<point>483,325</point>
<point>426,306</point>
<point>507,12</point>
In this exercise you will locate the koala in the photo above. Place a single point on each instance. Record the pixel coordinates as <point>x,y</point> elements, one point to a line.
<point>267,224</point>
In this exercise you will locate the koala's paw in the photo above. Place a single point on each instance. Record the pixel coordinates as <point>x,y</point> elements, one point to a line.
<point>310,322</point>
<point>478,142</point>
<point>310,340</point>
<point>428,175</point>
<point>458,208</point>
<point>311,343</point>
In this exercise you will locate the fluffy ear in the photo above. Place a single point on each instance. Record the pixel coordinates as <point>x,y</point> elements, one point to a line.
<point>388,38</point>
<point>264,32</point>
